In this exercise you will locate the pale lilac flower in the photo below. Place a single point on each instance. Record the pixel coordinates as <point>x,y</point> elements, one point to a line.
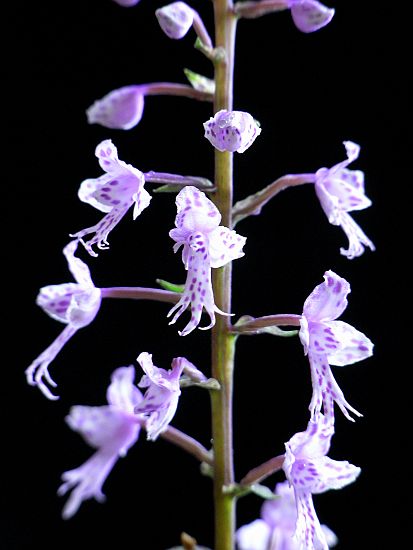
<point>310,471</point>
<point>175,19</point>
<point>112,430</point>
<point>120,109</point>
<point>113,193</point>
<point>160,401</point>
<point>275,529</point>
<point>340,191</point>
<point>206,244</point>
<point>75,304</point>
<point>310,15</point>
<point>127,3</point>
<point>330,342</point>
<point>232,131</point>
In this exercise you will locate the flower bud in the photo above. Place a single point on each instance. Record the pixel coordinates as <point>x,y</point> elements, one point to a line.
<point>175,19</point>
<point>231,131</point>
<point>127,3</point>
<point>120,109</point>
<point>310,15</point>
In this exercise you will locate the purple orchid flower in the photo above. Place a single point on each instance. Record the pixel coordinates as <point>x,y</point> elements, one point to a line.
<point>206,244</point>
<point>327,341</point>
<point>111,429</point>
<point>275,529</point>
<point>309,472</point>
<point>160,401</point>
<point>113,193</point>
<point>232,131</point>
<point>75,304</point>
<point>310,15</point>
<point>340,191</point>
<point>175,19</point>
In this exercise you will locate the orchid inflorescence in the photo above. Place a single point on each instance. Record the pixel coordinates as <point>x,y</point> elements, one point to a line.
<point>289,522</point>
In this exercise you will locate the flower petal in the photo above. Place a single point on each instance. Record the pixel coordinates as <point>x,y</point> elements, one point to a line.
<point>347,186</point>
<point>322,338</point>
<point>55,300</point>
<point>105,427</point>
<point>120,109</point>
<point>195,212</point>
<point>84,307</point>
<point>233,131</point>
<point>314,442</point>
<point>357,238</point>
<point>354,345</point>
<point>77,267</point>
<point>162,378</point>
<point>328,300</point>
<point>141,199</point>
<point>225,245</point>
<point>322,474</point>
<point>122,393</point>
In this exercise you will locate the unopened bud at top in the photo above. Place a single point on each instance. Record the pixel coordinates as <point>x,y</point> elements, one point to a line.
<point>310,15</point>
<point>175,19</point>
<point>127,3</point>
<point>232,131</point>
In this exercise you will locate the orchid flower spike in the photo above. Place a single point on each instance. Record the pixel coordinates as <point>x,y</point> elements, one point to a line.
<point>232,131</point>
<point>120,109</point>
<point>113,193</point>
<point>276,527</point>
<point>310,471</point>
<point>175,19</point>
<point>160,400</point>
<point>330,342</point>
<point>310,15</point>
<point>340,191</point>
<point>75,304</point>
<point>206,244</point>
<point>111,429</point>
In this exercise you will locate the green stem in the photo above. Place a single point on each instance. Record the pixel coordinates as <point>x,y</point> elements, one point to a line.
<point>223,342</point>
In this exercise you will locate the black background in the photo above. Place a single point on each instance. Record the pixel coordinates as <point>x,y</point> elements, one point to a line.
<point>310,92</point>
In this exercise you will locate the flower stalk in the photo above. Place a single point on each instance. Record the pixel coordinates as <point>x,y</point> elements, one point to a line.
<point>223,342</point>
